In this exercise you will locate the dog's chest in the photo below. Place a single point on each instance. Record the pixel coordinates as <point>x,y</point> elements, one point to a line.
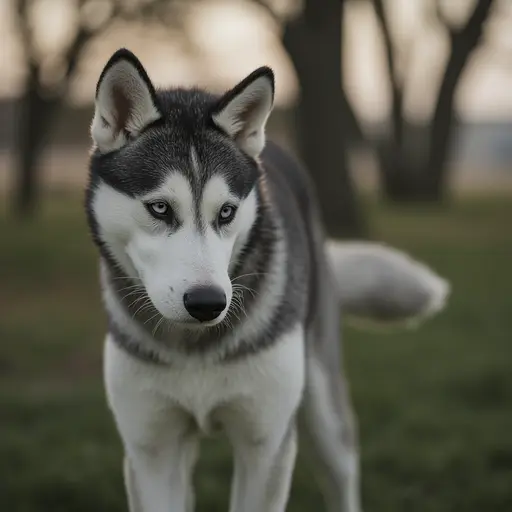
<point>265,384</point>
<point>201,389</point>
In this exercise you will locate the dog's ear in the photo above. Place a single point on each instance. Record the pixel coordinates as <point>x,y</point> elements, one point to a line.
<point>125,102</point>
<point>243,111</point>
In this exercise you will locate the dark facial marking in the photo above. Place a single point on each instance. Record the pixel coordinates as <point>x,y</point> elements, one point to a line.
<point>142,165</point>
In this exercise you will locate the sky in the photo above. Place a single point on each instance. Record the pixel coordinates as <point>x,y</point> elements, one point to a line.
<point>228,41</point>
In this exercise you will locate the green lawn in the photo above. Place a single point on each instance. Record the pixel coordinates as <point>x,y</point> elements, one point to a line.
<point>435,405</point>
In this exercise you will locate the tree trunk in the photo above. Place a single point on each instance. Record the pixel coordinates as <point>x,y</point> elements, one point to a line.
<point>314,44</point>
<point>402,176</point>
<point>396,180</point>
<point>406,185</point>
<point>463,42</point>
<point>34,118</point>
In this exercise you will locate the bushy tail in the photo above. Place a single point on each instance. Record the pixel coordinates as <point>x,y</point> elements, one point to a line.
<point>381,285</point>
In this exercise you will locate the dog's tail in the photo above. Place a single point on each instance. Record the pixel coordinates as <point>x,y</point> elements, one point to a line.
<point>381,285</point>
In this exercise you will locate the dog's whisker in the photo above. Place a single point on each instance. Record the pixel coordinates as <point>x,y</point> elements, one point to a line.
<point>151,318</point>
<point>242,287</point>
<point>138,286</point>
<point>144,305</point>
<point>138,299</point>
<point>133,292</point>
<point>250,274</point>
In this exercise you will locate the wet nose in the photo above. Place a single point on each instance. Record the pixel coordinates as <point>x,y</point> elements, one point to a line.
<point>205,303</point>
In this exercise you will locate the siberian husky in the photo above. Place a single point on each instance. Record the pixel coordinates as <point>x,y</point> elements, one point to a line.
<point>223,294</point>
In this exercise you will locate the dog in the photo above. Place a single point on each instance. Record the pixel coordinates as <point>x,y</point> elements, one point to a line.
<point>224,295</point>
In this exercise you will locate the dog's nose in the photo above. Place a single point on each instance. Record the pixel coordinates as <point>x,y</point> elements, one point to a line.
<point>205,303</point>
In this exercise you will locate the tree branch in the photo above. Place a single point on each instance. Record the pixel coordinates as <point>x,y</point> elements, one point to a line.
<point>474,26</point>
<point>378,5</point>
<point>298,41</point>
<point>75,50</point>
<point>24,29</point>
<point>443,20</point>
<point>464,41</point>
<point>394,77</point>
<point>83,34</point>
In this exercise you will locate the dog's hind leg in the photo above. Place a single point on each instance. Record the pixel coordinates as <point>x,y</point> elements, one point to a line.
<point>329,431</point>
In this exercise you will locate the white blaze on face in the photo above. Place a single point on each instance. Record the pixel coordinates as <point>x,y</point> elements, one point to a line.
<point>173,260</point>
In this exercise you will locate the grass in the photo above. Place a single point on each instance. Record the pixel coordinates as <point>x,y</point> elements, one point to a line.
<point>434,404</point>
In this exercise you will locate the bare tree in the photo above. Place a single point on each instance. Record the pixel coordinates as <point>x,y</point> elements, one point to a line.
<point>323,114</point>
<point>410,174</point>
<point>313,41</point>
<point>41,101</point>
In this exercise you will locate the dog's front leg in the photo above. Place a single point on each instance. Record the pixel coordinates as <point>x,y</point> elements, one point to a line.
<point>158,478</point>
<point>159,436</point>
<point>263,473</point>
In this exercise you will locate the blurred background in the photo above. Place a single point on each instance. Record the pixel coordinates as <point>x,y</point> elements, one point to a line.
<point>402,110</point>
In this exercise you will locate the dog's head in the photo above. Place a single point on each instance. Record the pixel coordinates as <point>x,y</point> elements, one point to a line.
<point>173,193</point>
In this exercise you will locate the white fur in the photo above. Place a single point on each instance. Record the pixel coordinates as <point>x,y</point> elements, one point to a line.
<point>194,161</point>
<point>125,77</point>
<point>384,285</point>
<point>254,399</point>
<point>169,264</point>
<point>249,133</point>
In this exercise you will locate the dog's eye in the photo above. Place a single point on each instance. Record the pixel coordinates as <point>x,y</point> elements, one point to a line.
<point>159,209</point>
<point>226,214</point>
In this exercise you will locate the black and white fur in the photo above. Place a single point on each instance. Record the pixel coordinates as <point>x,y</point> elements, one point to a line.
<point>186,199</point>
